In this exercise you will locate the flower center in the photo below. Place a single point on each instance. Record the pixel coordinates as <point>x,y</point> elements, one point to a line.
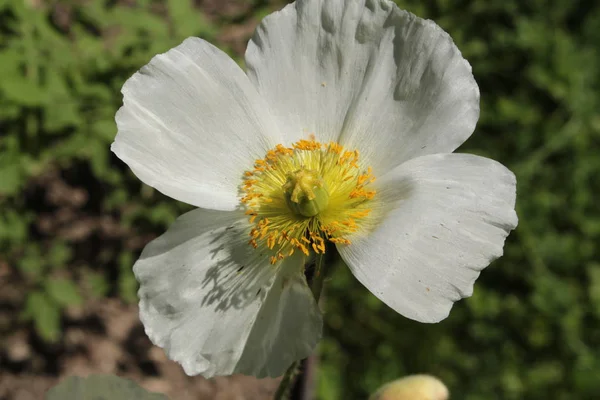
<point>305,192</point>
<point>299,197</point>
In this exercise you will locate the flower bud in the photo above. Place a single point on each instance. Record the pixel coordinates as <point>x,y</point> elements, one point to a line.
<point>414,387</point>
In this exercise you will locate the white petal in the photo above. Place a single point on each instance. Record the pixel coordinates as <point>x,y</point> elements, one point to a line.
<point>393,85</point>
<point>191,124</point>
<point>217,306</point>
<point>287,328</point>
<point>448,217</point>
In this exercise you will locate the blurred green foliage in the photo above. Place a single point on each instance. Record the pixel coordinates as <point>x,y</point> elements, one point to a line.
<point>532,328</point>
<point>62,65</point>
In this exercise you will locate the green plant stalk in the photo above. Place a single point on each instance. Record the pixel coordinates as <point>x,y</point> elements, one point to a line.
<point>316,287</point>
<point>285,384</point>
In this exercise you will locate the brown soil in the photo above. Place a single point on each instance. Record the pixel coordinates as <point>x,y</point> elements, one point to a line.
<point>102,336</point>
<point>106,337</point>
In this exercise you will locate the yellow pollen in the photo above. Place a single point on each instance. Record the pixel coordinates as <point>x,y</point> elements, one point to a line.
<point>299,198</point>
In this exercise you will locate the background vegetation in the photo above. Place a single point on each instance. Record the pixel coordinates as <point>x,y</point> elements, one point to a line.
<point>73,218</point>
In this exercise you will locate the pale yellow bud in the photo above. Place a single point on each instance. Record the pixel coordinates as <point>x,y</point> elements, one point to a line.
<point>414,387</point>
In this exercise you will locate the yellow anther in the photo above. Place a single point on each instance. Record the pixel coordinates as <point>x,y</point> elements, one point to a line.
<point>298,198</point>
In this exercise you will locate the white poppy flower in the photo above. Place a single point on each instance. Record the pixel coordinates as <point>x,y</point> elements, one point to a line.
<point>283,159</point>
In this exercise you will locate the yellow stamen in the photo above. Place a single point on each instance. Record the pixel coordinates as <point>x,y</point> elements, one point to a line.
<point>303,196</point>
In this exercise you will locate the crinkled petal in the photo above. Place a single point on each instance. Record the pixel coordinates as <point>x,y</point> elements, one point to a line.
<point>191,124</point>
<point>217,306</point>
<point>365,73</point>
<point>447,218</point>
<point>287,328</point>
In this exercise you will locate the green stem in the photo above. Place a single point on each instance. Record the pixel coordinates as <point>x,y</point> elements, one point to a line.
<point>286,381</point>
<point>316,286</point>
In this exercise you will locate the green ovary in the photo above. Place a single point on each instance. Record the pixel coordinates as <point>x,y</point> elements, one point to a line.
<point>305,193</point>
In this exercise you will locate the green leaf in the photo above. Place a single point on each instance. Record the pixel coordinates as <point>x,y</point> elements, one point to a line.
<point>187,22</point>
<point>593,271</point>
<point>100,387</point>
<point>59,254</point>
<point>63,291</point>
<point>105,129</point>
<point>23,91</point>
<point>32,264</point>
<point>45,314</point>
<point>97,284</point>
<point>127,283</point>
<point>11,174</point>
